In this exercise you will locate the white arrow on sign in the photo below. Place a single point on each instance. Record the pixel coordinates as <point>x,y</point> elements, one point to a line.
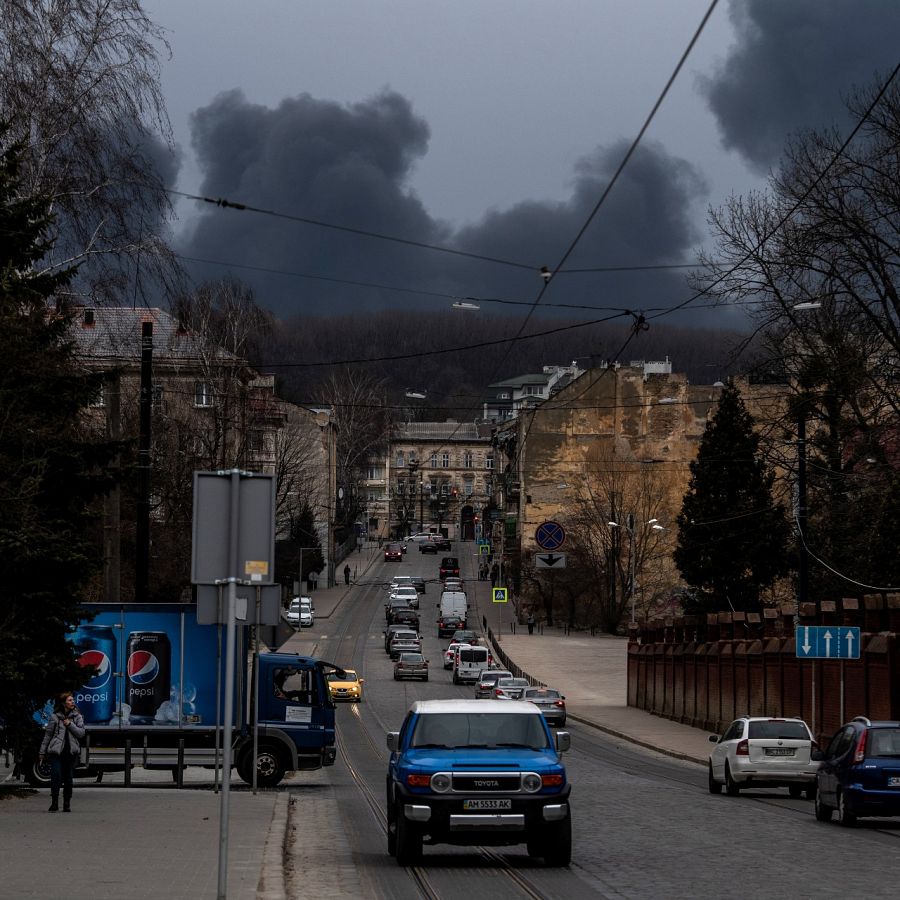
<point>806,644</point>
<point>827,637</point>
<point>850,645</point>
<point>550,560</point>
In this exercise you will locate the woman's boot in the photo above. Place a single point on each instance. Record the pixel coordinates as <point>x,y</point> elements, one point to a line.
<point>54,802</point>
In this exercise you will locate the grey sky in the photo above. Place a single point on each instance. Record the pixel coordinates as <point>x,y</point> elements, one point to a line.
<point>490,126</point>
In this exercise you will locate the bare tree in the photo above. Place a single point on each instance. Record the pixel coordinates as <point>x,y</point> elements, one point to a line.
<point>79,83</point>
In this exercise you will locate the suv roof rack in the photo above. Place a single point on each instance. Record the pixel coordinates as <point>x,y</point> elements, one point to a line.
<point>864,719</point>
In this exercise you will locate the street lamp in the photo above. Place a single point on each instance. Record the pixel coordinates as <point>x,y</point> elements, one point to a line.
<point>629,527</point>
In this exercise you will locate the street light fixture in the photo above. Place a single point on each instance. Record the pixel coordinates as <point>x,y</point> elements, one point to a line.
<point>463,304</point>
<point>630,529</point>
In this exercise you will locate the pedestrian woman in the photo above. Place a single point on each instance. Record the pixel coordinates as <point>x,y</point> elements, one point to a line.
<point>62,744</point>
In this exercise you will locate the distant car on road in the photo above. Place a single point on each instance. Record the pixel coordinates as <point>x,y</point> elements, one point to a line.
<point>411,665</point>
<point>510,688</point>
<point>393,553</point>
<point>550,702</point>
<point>301,612</point>
<point>762,752</point>
<point>859,772</point>
<point>407,593</point>
<point>405,642</point>
<point>428,547</point>
<point>487,681</point>
<point>450,653</point>
<point>449,566</point>
<point>345,687</point>
<point>418,537</point>
<point>465,636</point>
<point>449,625</point>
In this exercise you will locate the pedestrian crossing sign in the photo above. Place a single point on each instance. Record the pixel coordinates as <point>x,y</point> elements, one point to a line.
<point>485,549</point>
<point>499,595</point>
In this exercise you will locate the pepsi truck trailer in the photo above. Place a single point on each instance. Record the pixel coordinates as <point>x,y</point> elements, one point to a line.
<point>154,682</point>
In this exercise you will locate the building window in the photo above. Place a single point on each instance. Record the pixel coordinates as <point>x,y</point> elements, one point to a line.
<point>434,459</point>
<point>256,441</point>
<point>99,398</point>
<point>468,487</point>
<point>400,459</point>
<point>401,487</point>
<point>489,461</point>
<point>467,459</point>
<point>503,396</point>
<point>373,473</point>
<point>203,393</point>
<point>445,460</point>
<point>413,460</point>
<point>532,390</point>
<point>445,488</point>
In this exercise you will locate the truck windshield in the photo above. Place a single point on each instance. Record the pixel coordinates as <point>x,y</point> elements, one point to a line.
<point>479,730</point>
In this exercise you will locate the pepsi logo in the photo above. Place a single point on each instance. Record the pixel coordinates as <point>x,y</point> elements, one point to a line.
<point>98,660</point>
<point>143,667</point>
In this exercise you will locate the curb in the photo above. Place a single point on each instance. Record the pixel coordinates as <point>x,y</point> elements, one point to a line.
<point>271,884</point>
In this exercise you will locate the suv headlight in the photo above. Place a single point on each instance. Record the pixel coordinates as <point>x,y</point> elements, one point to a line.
<point>440,782</point>
<point>532,783</point>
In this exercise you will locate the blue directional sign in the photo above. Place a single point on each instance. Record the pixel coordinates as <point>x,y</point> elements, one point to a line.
<point>827,642</point>
<point>550,536</point>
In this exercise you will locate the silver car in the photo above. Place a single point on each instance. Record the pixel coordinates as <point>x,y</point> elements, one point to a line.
<point>510,688</point>
<point>487,681</point>
<point>756,751</point>
<point>405,642</point>
<point>550,702</point>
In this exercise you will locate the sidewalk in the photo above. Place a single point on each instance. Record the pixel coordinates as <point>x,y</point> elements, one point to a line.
<point>592,674</point>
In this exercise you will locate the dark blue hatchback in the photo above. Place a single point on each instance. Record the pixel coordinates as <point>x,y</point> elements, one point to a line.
<point>859,775</point>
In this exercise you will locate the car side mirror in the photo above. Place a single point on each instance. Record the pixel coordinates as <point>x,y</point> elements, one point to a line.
<point>714,739</point>
<point>563,741</point>
<point>362,680</point>
<point>393,740</point>
<point>817,755</point>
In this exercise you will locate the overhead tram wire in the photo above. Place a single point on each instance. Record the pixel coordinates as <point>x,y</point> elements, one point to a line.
<point>361,232</point>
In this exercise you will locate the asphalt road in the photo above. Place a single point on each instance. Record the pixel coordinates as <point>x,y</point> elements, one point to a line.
<point>644,824</point>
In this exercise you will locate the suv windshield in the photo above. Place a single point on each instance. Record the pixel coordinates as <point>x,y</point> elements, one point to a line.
<point>479,730</point>
<point>789,731</point>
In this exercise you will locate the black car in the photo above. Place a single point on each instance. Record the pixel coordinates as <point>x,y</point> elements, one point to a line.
<point>449,625</point>
<point>442,543</point>
<point>405,617</point>
<point>429,546</point>
<point>449,566</point>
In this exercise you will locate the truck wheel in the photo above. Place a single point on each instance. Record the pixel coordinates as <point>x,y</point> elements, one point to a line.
<point>409,839</point>
<point>37,774</point>
<point>558,844</point>
<point>270,767</point>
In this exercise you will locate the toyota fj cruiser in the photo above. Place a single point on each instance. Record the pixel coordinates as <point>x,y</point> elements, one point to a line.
<point>484,773</point>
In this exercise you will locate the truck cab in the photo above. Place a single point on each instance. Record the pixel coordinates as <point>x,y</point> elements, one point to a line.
<point>477,773</point>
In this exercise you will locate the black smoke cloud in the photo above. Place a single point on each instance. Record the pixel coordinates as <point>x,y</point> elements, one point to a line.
<point>351,165</point>
<point>792,67</point>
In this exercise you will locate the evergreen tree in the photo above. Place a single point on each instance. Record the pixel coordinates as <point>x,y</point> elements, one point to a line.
<point>732,539</point>
<point>50,471</point>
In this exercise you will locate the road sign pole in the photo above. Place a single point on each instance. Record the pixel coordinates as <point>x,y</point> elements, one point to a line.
<point>813,686</point>
<point>842,690</point>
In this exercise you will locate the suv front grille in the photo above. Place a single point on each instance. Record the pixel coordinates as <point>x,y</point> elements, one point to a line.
<point>473,782</point>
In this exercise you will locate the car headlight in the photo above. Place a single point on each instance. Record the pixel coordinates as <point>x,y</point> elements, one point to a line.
<point>531,783</point>
<point>440,783</point>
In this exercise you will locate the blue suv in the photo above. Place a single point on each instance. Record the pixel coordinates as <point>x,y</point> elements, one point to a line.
<point>859,772</point>
<point>477,773</point>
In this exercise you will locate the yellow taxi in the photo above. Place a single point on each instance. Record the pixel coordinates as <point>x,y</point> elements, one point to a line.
<point>348,686</point>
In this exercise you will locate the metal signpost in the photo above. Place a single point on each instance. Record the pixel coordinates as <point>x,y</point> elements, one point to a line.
<point>233,543</point>
<point>827,642</point>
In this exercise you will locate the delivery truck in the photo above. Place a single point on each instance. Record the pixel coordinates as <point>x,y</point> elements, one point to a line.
<point>153,697</point>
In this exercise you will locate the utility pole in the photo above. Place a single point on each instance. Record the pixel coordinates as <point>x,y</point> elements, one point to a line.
<point>803,560</point>
<point>142,525</point>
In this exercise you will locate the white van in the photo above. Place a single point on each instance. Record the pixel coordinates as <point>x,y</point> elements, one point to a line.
<point>453,603</point>
<point>469,662</point>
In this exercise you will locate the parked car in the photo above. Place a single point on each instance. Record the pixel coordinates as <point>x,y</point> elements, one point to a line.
<point>393,553</point>
<point>418,537</point>
<point>301,612</point>
<point>430,546</point>
<point>405,642</point>
<point>441,542</point>
<point>449,625</point>
<point>345,687</point>
<point>757,751</point>
<point>487,681</point>
<point>449,566</point>
<point>510,688</point>
<point>859,772</point>
<point>411,665</point>
<point>550,702</point>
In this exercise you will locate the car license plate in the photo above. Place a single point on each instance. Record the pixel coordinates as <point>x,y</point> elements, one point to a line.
<point>779,751</point>
<point>894,781</point>
<point>487,804</point>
